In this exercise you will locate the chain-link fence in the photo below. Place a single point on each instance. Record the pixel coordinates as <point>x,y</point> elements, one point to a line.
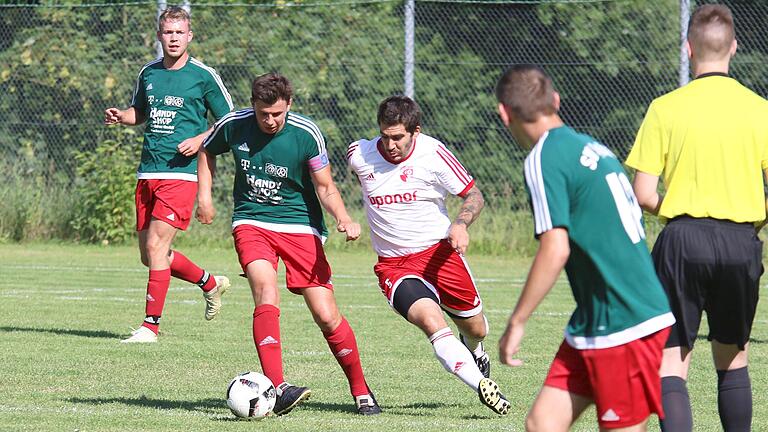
<point>61,65</point>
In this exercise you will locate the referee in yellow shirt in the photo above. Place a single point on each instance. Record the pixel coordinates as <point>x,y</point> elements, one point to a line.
<point>709,140</point>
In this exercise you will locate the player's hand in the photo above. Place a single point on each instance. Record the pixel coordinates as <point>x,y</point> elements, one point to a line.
<point>509,344</point>
<point>112,116</point>
<point>458,237</point>
<point>189,146</point>
<point>205,213</point>
<point>350,228</point>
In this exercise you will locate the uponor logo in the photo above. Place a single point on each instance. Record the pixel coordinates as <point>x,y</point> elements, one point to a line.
<point>379,201</point>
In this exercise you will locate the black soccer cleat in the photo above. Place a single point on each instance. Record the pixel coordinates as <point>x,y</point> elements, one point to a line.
<point>367,405</point>
<point>491,397</point>
<point>291,396</point>
<point>483,362</point>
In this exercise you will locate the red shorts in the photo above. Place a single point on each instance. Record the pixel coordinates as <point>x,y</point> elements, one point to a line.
<point>443,271</point>
<point>302,254</point>
<point>170,201</point>
<point>623,381</point>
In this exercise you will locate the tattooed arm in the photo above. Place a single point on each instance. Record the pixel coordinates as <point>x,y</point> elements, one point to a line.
<point>470,210</point>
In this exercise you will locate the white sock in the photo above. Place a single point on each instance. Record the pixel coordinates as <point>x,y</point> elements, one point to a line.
<point>455,357</point>
<point>475,345</point>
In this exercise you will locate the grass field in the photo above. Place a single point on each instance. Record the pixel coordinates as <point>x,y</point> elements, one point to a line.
<point>64,309</point>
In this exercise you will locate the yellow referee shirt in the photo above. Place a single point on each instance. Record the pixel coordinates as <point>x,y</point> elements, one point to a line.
<point>709,139</point>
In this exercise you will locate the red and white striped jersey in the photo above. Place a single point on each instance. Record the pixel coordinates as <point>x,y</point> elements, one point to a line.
<point>405,202</point>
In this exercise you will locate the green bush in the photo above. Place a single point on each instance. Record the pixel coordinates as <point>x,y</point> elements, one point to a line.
<point>35,205</point>
<point>105,183</point>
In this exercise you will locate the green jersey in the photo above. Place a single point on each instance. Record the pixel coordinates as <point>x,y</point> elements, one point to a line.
<point>174,103</point>
<point>273,188</point>
<point>576,183</point>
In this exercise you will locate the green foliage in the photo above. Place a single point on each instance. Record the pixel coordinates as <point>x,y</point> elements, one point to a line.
<point>33,206</point>
<point>105,184</point>
<point>62,63</point>
<point>36,200</point>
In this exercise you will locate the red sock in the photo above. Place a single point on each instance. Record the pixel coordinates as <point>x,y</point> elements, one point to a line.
<point>266,337</point>
<point>184,269</point>
<point>344,347</point>
<point>157,288</point>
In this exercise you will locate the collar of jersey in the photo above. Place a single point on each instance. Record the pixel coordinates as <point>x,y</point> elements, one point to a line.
<point>186,63</point>
<point>709,74</point>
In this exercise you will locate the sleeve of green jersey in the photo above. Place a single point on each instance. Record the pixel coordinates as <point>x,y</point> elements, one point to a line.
<point>139,100</point>
<point>316,153</point>
<point>547,186</point>
<point>650,148</point>
<point>218,141</point>
<point>217,98</point>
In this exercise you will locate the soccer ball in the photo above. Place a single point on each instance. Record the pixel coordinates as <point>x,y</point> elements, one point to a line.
<point>251,395</point>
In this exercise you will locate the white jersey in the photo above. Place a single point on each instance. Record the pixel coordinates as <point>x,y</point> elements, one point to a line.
<point>405,202</point>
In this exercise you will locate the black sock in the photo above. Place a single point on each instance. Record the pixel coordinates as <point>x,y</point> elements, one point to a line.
<point>734,399</point>
<point>677,405</point>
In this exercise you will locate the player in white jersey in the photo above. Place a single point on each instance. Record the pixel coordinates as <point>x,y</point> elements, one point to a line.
<point>405,177</point>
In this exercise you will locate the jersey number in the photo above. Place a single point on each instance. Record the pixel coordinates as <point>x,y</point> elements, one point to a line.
<point>626,203</point>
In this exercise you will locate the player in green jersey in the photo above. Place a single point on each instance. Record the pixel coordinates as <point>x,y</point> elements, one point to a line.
<point>172,95</point>
<point>282,177</point>
<point>587,221</point>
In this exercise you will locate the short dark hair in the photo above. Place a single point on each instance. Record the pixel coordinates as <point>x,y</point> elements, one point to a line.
<point>396,110</point>
<point>173,13</point>
<point>528,91</point>
<point>271,87</point>
<point>711,31</point>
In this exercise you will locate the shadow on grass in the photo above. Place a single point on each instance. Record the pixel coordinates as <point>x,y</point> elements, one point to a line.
<point>751,340</point>
<point>327,407</point>
<point>417,409</point>
<point>215,406</point>
<point>414,409</point>
<point>70,332</point>
<point>209,405</point>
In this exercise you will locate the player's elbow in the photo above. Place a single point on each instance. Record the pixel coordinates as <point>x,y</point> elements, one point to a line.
<point>647,200</point>
<point>480,200</point>
<point>560,255</point>
<point>555,247</point>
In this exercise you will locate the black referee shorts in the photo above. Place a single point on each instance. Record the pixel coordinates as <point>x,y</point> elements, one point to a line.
<point>714,266</point>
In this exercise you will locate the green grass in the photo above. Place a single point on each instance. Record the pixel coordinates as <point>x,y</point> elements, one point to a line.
<point>66,307</point>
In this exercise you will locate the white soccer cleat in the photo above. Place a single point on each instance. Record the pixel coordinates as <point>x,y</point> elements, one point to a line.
<point>213,297</point>
<point>141,335</point>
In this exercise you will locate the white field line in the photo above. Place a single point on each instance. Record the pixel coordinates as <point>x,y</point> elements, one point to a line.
<point>75,268</point>
<point>108,409</point>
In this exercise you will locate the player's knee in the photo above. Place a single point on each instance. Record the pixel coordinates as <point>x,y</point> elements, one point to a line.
<point>535,422</point>
<point>477,334</point>
<point>154,247</point>
<point>327,319</point>
<point>477,331</point>
<point>409,292</point>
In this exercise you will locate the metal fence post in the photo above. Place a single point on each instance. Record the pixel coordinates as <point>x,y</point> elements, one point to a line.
<point>161,5</point>
<point>685,16</point>
<point>410,16</point>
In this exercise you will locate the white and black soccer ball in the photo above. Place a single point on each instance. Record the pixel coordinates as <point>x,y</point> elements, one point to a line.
<point>251,395</point>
